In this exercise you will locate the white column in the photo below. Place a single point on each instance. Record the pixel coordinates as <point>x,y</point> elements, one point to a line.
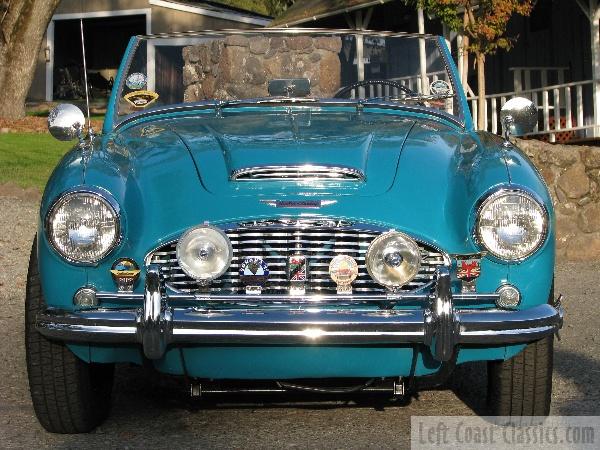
<point>422,54</point>
<point>360,53</point>
<point>595,41</point>
<point>50,63</point>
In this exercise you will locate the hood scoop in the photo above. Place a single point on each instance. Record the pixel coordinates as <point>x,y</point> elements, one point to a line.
<point>305,172</point>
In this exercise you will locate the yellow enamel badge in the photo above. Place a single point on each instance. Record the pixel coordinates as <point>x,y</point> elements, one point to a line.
<point>141,99</point>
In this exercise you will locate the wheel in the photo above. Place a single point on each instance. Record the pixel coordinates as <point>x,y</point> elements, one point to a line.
<point>522,385</point>
<point>68,395</point>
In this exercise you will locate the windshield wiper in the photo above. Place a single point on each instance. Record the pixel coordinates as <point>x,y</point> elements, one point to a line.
<point>410,98</point>
<point>259,100</point>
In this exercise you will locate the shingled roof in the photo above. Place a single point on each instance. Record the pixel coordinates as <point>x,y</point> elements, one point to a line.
<point>309,10</point>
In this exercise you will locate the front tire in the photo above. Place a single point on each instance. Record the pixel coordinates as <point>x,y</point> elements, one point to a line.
<point>522,385</point>
<point>68,395</point>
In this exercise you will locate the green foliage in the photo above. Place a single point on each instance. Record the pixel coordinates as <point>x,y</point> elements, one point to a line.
<point>485,25</point>
<point>267,7</point>
<point>27,159</point>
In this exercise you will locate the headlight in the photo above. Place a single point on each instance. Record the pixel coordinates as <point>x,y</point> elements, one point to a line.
<point>83,226</point>
<point>511,224</point>
<point>393,259</point>
<point>204,253</point>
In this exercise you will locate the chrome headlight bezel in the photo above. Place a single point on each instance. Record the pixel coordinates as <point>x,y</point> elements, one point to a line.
<point>106,198</point>
<point>489,198</point>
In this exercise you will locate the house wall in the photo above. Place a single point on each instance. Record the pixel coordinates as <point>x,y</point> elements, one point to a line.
<point>163,20</point>
<point>564,42</point>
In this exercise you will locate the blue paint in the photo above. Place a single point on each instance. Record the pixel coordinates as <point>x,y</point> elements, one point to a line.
<point>424,175</point>
<point>294,362</point>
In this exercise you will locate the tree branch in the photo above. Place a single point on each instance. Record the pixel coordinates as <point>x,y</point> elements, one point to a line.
<point>584,8</point>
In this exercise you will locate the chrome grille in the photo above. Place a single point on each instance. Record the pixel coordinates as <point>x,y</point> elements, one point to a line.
<point>275,241</point>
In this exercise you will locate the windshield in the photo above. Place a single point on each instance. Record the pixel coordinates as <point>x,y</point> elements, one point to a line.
<point>273,66</point>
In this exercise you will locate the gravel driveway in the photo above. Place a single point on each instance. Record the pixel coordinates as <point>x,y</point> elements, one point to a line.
<point>152,411</point>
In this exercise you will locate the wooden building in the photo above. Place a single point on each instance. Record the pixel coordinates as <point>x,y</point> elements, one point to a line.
<point>554,62</point>
<point>108,26</point>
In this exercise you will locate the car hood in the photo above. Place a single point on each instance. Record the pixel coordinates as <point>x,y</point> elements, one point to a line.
<point>367,144</point>
<point>421,175</point>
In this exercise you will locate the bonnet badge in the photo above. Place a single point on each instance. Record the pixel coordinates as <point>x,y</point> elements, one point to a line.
<point>125,273</point>
<point>254,271</point>
<point>343,270</point>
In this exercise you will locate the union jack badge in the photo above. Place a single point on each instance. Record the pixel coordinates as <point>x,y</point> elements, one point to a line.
<point>468,266</point>
<point>297,268</point>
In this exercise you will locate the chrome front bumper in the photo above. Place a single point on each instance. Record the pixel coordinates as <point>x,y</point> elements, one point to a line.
<point>439,326</point>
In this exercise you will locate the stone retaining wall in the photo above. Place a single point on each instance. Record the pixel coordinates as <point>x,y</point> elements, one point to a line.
<point>573,177</point>
<point>240,67</point>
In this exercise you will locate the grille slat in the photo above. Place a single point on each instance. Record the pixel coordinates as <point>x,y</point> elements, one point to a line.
<point>275,243</point>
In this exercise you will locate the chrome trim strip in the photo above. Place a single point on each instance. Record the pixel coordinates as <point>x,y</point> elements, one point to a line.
<point>304,172</point>
<point>127,297</point>
<point>215,105</point>
<point>263,327</point>
<point>285,30</point>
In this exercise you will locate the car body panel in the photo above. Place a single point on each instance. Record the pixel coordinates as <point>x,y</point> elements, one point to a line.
<point>169,171</point>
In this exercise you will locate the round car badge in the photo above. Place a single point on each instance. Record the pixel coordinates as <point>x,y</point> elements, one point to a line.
<point>440,87</point>
<point>343,270</point>
<point>254,271</point>
<point>125,273</point>
<point>136,81</point>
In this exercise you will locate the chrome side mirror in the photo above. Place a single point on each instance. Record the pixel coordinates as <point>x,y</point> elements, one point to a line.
<point>518,117</point>
<point>66,122</point>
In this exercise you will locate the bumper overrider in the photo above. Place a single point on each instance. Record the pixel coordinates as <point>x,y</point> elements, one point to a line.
<point>439,325</point>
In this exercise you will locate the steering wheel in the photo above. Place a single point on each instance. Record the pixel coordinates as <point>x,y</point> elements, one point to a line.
<point>343,92</point>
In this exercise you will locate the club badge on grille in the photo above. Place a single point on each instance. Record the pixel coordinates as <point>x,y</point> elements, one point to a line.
<point>297,268</point>
<point>343,270</point>
<point>468,270</point>
<point>297,274</point>
<point>125,273</point>
<point>254,273</point>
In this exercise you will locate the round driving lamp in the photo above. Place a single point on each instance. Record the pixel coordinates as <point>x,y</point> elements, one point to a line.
<point>204,253</point>
<point>511,224</point>
<point>393,259</point>
<point>83,226</point>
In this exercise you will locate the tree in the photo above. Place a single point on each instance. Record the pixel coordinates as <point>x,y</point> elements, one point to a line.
<point>267,7</point>
<point>22,27</point>
<point>483,24</point>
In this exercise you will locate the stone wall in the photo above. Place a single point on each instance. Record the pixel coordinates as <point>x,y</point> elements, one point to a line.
<point>573,177</point>
<point>240,67</point>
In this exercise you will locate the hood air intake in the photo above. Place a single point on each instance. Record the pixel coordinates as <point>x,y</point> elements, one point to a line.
<point>297,173</point>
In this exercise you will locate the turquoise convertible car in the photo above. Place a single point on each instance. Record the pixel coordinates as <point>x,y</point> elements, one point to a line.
<point>280,210</point>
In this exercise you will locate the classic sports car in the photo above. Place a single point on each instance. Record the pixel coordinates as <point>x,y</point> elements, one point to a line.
<point>290,209</point>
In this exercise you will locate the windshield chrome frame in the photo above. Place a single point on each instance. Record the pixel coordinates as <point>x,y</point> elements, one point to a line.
<point>462,119</point>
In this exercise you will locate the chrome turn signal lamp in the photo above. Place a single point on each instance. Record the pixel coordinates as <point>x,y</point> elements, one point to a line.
<point>204,253</point>
<point>393,259</point>
<point>509,296</point>
<point>85,297</point>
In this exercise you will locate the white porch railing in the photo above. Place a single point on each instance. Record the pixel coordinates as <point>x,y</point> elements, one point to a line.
<point>415,82</point>
<point>566,111</point>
